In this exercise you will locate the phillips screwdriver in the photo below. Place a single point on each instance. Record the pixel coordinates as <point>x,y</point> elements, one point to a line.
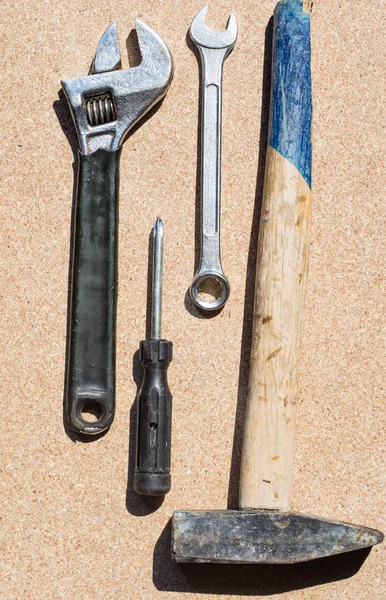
<point>154,400</point>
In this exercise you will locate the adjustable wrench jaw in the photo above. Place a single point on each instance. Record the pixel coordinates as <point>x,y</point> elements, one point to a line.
<point>107,103</point>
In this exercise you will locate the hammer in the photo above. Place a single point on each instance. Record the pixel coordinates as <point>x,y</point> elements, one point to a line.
<point>264,530</point>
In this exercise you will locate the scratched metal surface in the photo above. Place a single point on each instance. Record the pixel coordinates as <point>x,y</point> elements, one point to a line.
<point>71,524</point>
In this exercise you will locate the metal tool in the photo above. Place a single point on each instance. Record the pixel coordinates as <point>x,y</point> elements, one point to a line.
<point>264,530</point>
<point>214,47</point>
<point>105,105</point>
<point>154,401</point>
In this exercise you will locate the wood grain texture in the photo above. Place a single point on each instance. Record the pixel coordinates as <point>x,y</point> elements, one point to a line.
<point>282,265</point>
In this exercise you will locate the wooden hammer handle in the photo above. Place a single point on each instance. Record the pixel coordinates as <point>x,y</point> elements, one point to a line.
<point>282,262</point>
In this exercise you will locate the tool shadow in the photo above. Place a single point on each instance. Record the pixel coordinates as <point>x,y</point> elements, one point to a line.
<point>63,114</point>
<point>249,580</point>
<point>250,280</point>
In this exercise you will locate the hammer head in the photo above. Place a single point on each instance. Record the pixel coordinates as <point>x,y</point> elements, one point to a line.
<point>107,103</point>
<point>265,537</point>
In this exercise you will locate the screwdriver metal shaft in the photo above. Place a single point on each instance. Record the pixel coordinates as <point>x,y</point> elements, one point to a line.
<point>154,400</point>
<point>158,247</point>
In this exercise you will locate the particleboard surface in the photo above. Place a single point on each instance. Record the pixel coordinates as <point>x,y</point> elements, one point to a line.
<point>71,525</point>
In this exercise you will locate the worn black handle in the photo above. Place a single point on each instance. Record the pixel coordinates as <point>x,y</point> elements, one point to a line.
<point>154,420</point>
<point>91,369</point>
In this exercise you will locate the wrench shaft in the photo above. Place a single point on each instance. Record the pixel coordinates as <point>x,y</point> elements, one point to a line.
<point>211,163</point>
<point>212,62</point>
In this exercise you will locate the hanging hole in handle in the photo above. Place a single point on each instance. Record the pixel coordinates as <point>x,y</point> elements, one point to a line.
<point>210,291</point>
<point>91,412</point>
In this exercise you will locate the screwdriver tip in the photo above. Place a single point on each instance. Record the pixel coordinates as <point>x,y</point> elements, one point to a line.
<point>158,227</point>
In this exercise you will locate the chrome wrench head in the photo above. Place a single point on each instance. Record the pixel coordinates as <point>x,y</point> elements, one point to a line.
<point>107,103</point>
<point>203,36</point>
<point>214,47</point>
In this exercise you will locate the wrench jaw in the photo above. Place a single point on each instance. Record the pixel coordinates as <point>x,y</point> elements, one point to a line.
<point>216,281</point>
<point>107,57</point>
<point>202,36</point>
<point>107,104</point>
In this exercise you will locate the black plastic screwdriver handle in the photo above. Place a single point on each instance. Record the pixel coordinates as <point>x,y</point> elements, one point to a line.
<point>154,400</point>
<point>152,476</point>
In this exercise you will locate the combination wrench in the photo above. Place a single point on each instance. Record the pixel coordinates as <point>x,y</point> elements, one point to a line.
<point>214,47</point>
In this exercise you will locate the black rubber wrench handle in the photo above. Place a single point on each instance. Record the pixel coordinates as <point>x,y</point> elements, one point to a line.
<point>91,352</point>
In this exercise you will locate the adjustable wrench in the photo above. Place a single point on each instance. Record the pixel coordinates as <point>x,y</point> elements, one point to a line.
<point>105,105</point>
<point>214,47</point>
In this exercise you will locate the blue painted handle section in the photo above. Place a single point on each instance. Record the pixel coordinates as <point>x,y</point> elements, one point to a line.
<point>291,99</point>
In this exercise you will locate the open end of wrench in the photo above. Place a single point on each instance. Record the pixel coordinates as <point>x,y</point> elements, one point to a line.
<point>109,101</point>
<point>203,36</point>
<point>213,285</point>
